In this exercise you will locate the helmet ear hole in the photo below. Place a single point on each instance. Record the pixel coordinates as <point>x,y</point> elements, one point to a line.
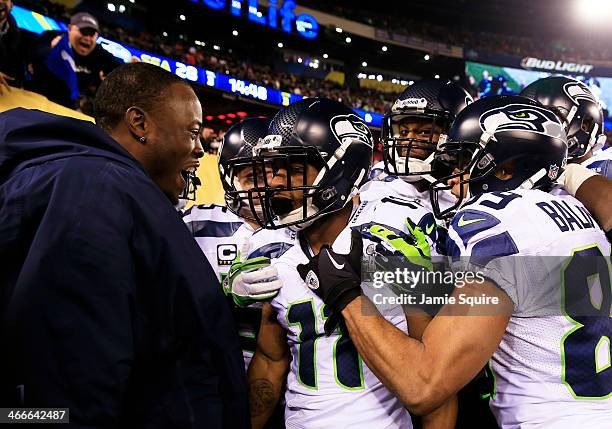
<point>586,124</point>
<point>505,171</point>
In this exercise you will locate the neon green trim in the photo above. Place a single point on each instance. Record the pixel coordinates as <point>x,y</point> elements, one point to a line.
<point>603,341</point>
<point>299,345</point>
<point>334,353</point>
<point>577,326</point>
<point>462,222</point>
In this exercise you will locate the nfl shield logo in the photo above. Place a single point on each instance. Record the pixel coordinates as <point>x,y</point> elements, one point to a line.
<point>553,172</point>
<point>312,280</point>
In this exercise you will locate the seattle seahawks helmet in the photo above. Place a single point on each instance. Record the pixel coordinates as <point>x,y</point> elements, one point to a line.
<point>577,107</point>
<point>433,105</point>
<point>315,132</point>
<point>507,131</point>
<point>235,154</point>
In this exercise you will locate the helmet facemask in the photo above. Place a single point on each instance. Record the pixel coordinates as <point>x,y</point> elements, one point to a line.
<point>287,192</point>
<point>191,185</point>
<point>243,175</point>
<point>584,131</point>
<point>408,157</point>
<point>453,161</point>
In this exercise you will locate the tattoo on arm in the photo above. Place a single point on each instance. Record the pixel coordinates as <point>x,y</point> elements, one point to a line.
<point>261,397</point>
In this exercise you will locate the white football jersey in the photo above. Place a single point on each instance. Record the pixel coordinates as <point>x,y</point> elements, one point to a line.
<point>223,237</point>
<point>382,183</point>
<point>552,368</point>
<point>328,383</point>
<point>601,162</point>
<point>220,234</point>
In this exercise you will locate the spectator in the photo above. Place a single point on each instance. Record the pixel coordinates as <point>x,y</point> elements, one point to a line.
<point>107,302</point>
<point>70,65</point>
<point>12,62</point>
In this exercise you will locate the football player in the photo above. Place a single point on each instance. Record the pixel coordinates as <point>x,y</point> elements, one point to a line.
<point>409,135</point>
<point>224,233</point>
<point>319,153</point>
<point>545,323</point>
<point>582,115</point>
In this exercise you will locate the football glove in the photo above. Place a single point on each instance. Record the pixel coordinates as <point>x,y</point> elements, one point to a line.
<point>335,278</point>
<point>253,280</point>
<point>415,247</point>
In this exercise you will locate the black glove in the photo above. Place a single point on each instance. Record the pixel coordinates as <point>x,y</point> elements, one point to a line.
<point>335,278</point>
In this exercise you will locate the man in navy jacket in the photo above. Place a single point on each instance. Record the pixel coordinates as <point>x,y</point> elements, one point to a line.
<point>107,305</point>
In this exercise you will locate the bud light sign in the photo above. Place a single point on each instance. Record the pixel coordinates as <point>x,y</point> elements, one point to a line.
<point>275,16</point>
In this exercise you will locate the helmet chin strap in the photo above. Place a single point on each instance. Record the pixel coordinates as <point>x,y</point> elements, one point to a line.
<point>417,166</point>
<point>530,182</point>
<point>296,215</point>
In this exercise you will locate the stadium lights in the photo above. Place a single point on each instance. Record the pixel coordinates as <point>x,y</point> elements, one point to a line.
<point>280,44</point>
<point>300,60</point>
<point>594,11</point>
<point>348,40</point>
<point>437,76</point>
<point>379,78</point>
<point>235,33</point>
<point>426,57</point>
<point>325,56</point>
<point>384,49</point>
<point>182,17</point>
<point>364,64</point>
<point>371,77</point>
<point>111,7</point>
<point>165,34</point>
<point>216,47</point>
<point>411,82</point>
<point>403,82</point>
<point>132,1</point>
<point>338,30</point>
<point>121,8</point>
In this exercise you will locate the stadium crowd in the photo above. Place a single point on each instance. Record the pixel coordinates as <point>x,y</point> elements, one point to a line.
<point>132,309</point>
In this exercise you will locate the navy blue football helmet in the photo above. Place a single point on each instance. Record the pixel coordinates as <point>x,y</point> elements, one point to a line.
<point>577,107</point>
<point>508,131</point>
<point>316,132</point>
<point>428,106</point>
<point>235,154</point>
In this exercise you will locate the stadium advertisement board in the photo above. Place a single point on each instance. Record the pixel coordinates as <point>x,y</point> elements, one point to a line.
<point>37,23</point>
<point>491,79</point>
<point>540,64</point>
<point>305,25</point>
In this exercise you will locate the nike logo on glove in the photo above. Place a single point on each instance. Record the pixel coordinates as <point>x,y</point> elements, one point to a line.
<point>334,263</point>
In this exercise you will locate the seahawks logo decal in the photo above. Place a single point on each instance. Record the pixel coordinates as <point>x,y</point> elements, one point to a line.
<point>350,127</point>
<point>578,92</point>
<point>517,117</point>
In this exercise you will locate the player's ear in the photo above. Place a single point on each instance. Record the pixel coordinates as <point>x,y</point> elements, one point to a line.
<point>135,119</point>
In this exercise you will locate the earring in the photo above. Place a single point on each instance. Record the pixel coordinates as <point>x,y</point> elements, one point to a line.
<point>142,139</point>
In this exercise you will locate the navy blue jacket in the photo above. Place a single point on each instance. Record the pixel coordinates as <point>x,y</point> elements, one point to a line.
<point>107,304</point>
